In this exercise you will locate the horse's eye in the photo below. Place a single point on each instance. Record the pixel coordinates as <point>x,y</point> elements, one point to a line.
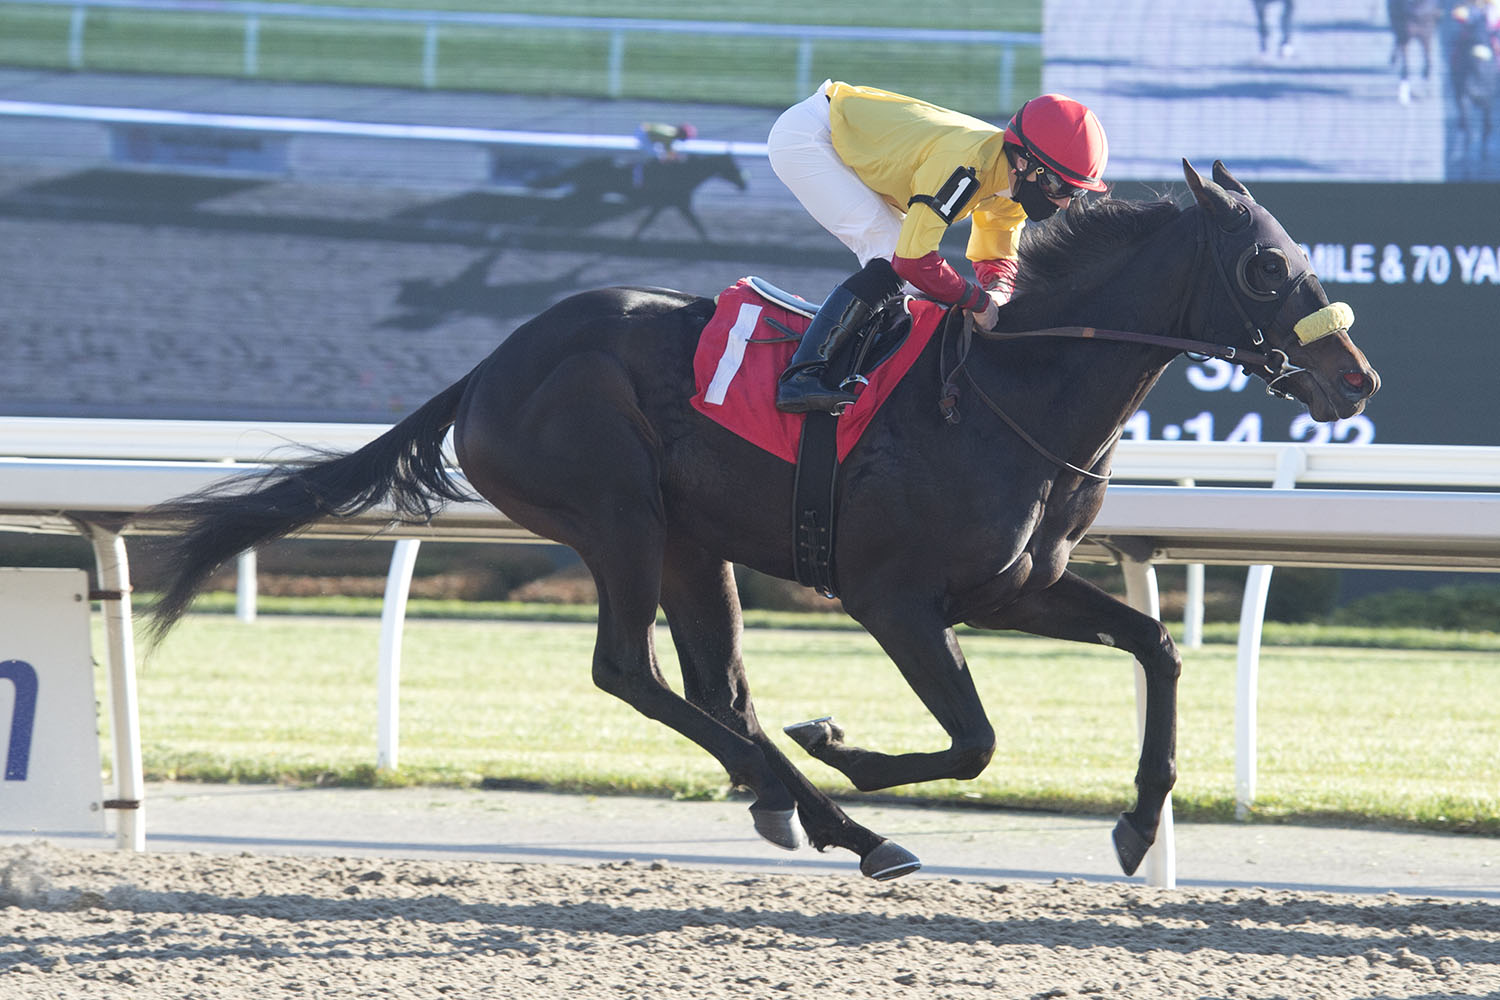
<point>1266,270</point>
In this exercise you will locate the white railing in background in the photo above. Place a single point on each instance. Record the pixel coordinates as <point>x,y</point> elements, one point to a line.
<point>1439,509</point>
<point>178,440</point>
<point>1395,465</point>
<point>618,29</point>
<point>292,126</point>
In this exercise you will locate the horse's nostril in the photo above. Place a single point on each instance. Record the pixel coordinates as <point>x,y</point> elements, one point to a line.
<point>1356,383</point>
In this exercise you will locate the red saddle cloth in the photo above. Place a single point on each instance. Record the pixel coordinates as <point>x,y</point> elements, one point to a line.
<point>737,364</point>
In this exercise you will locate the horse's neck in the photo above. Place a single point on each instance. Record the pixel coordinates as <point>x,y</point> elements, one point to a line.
<point>1075,395</point>
<point>1094,386</point>
<point>704,167</point>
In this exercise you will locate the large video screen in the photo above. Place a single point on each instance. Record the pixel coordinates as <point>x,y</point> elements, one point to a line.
<point>1348,120</point>
<point>162,267</point>
<point>1425,289</point>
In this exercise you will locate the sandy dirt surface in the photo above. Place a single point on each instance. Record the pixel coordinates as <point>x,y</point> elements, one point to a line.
<point>183,926</point>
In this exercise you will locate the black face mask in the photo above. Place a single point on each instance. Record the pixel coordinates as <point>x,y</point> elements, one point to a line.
<point>1037,205</point>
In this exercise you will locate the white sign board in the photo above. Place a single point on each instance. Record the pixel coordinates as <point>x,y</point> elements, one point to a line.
<point>49,732</point>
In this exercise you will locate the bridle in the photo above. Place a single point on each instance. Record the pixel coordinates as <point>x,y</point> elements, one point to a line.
<point>1274,365</point>
<point>1271,365</point>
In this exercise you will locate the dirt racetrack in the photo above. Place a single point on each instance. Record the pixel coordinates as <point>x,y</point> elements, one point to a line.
<point>82,923</point>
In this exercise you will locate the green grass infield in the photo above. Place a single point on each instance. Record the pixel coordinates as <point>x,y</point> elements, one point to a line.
<point>1399,733</point>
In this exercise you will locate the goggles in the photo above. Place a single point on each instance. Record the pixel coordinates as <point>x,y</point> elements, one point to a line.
<point>1051,182</point>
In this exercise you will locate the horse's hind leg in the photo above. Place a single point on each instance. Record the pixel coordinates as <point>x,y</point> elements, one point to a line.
<point>579,463</point>
<point>703,611</point>
<point>1076,610</point>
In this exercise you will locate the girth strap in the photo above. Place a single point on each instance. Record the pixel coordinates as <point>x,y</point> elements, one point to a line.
<point>814,498</point>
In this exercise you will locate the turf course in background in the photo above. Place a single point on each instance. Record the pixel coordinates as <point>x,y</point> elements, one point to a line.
<point>710,68</point>
<point>1352,735</point>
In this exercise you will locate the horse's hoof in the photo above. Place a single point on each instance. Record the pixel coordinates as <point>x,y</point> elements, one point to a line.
<point>1130,846</point>
<point>815,733</point>
<point>778,826</point>
<point>887,861</point>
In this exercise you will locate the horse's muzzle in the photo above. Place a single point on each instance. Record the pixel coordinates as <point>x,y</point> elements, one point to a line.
<point>1359,385</point>
<point>1345,394</point>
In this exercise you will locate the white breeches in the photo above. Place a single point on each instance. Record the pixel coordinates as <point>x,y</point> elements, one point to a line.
<point>800,148</point>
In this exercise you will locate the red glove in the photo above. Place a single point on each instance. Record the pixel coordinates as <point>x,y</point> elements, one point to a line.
<point>998,275</point>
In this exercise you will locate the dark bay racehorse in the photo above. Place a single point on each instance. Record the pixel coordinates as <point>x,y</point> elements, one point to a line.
<point>579,428</point>
<point>655,185</point>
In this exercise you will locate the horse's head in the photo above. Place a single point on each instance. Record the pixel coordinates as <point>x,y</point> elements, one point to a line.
<point>1262,285</point>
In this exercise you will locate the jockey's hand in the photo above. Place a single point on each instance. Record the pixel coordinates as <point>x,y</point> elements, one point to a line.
<point>986,317</point>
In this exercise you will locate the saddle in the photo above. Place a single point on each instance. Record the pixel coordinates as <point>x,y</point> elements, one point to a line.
<point>743,350</point>
<point>881,338</point>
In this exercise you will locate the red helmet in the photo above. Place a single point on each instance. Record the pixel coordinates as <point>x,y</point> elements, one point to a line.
<point>1065,137</point>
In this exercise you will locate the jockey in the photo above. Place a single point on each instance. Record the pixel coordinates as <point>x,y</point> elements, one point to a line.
<point>658,141</point>
<point>889,174</point>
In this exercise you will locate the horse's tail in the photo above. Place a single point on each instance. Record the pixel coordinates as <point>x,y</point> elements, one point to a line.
<point>404,467</point>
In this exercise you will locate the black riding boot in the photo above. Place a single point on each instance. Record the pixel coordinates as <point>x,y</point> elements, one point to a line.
<point>842,315</point>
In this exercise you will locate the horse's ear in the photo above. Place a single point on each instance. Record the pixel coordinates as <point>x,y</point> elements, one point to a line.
<point>1227,213</point>
<point>1225,179</point>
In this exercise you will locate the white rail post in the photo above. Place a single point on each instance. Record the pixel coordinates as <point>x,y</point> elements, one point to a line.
<point>392,624</point>
<point>1142,594</point>
<point>75,36</point>
<point>1291,463</point>
<point>804,66</point>
<point>245,586</point>
<point>616,63</point>
<point>125,717</point>
<point>1192,616</point>
<point>252,45</point>
<point>429,55</point>
<point>1192,609</point>
<point>1007,79</point>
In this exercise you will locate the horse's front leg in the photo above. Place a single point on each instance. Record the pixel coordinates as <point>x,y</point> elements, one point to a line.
<point>926,651</point>
<point>1075,609</point>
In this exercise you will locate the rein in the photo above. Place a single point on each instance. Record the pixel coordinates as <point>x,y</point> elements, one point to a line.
<point>949,402</point>
<point>1274,363</point>
<point>1271,362</point>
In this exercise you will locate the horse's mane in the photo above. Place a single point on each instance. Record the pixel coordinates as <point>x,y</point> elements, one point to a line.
<point>1080,247</point>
